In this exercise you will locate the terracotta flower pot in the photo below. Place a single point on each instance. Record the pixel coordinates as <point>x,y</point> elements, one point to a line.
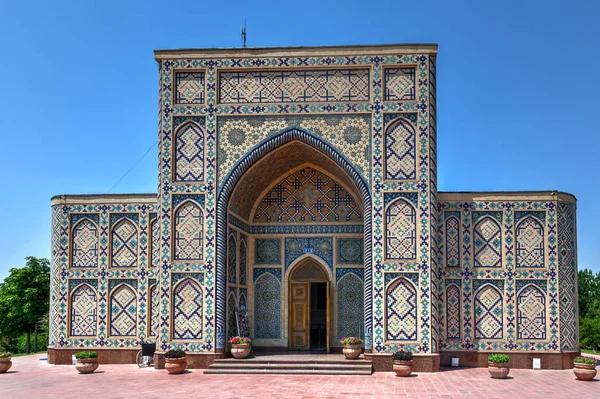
<point>403,368</point>
<point>5,364</point>
<point>240,351</point>
<point>352,351</point>
<point>175,365</point>
<point>86,366</point>
<point>584,372</point>
<point>498,370</point>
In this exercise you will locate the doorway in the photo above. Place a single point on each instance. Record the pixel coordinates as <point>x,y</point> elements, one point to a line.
<point>309,308</point>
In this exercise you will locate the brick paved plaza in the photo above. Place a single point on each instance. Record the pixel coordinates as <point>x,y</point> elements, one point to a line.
<point>32,378</point>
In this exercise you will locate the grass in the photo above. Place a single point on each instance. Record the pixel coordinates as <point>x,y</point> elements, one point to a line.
<point>589,352</point>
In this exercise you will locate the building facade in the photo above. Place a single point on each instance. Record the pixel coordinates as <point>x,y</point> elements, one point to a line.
<point>297,190</point>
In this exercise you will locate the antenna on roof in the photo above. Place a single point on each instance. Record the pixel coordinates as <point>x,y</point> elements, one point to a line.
<point>243,32</point>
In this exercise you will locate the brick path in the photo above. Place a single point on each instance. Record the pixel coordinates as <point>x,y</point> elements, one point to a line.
<point>32,378</point>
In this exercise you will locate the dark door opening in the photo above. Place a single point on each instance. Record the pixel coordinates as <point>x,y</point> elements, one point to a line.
<point>318,316</point>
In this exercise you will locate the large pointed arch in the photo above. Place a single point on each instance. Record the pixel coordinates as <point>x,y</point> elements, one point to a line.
<point>225,192</point>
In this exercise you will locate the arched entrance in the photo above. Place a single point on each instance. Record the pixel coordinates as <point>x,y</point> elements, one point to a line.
<point>309,306</point>
<point>274,158</point>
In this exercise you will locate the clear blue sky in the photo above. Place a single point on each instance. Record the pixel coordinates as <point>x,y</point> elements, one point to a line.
<point>518,85</point>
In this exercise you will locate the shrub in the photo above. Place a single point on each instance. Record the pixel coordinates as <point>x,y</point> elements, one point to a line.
<point>498,358</point>
<point>585,360</point>
<point>240,340</point>
<point>3,348</point>
<point>351,341</point>
<point>86,355</point>
<point>175,354</point>
<point>403,355</point>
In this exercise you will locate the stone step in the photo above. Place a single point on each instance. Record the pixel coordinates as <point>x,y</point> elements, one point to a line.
<point>283,371</point>
<point>289,366</point>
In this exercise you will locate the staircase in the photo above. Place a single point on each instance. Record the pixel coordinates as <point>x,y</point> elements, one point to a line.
<point>291,364</point>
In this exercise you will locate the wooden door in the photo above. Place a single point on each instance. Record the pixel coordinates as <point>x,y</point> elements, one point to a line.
<point>300,316</point>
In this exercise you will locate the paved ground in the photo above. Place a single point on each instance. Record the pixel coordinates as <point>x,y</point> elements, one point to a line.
<point>32,378</point>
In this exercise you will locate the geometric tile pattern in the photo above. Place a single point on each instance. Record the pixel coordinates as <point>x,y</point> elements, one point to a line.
<point>488,243</point>
<point>452,242</point>
<point>243,259</point>
<point>231,322</point>
<point>155,243</point>
<point>567,260</point>
<point>399,84</point>
<point>187,310</point>
<point>531,313</point>
<point>401,311</point>
<point>83,312</point>
<point>400,149</point>
<point>267,251</point>
<point>307,196</point>
<point>488,313</point>
<point>296,247</point>
<point>124,244</point>
<point>350,306</point>
<point>231,260</point>
<point>530,243</point>
<point>294,86</point>
<point>123,312</point>
<point>350,251</point>
<point>453,308</point>
<point>189,155</point>
<point>154,309</point>
<point>85,244</point>
<point>267,307</point>
<point>189,227</point>
<point>401,231</point>
<point>189,87</point>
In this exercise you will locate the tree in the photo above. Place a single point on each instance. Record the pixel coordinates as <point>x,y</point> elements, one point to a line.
<point>589,294</point>
<point>589,330</point>
<point>24,299</point>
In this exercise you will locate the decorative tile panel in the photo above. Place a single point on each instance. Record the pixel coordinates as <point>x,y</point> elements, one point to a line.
<point>231,322</point>
<point>154,243</point>
<point>401,234</point>
<point>84,314</point>
<point>267,307</point>
<point>349,251</point>
<point>453,241</point>
<point>399,83</point>
<point>567,260</point>
<point>295,247</point>
<point>189,153</point>
<point>153,311</point>
<point>488,313</point>
<point>350,306</point>
<point>267,251</point>
<point>400,151</point>
<point>530,243</point>
<point>307,196</point>
<point>123,312</point>
<point>231,259</point>
<point>303,85</point>
<point>188,302</point>
<point>124,244</point>
<point>487,243</point>
<point>189,232</point>
<point>189,87</point>
<point>243,259</point>
<point>401,311</point>
<point>453,311</point>
<point>531,313</point>
<point>85,244</point>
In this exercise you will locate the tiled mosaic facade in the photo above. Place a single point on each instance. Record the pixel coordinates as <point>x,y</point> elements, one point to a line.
<point>268,161</point>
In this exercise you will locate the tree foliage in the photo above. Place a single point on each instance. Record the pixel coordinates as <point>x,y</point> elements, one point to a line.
<point>24,298</point>
<point>589,309</point>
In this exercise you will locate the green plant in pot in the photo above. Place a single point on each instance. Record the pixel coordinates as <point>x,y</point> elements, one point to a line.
<point>498,365</point>
<point>403,363</point>
<point>584,368</point>
<point>87,362</point>
<point>352,347</point>
<point>175,361</point>
<point>5,362</point>
<point>240,347</point>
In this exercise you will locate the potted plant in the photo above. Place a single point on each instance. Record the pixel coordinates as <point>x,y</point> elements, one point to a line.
<point>175,361</point>
<point>403,365</point>
<point>87,362</point>
<point>352,347</point>
<point>5,362</point>
<point>584,368</point>
<point>240,347</point>
<point>498,365</point>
